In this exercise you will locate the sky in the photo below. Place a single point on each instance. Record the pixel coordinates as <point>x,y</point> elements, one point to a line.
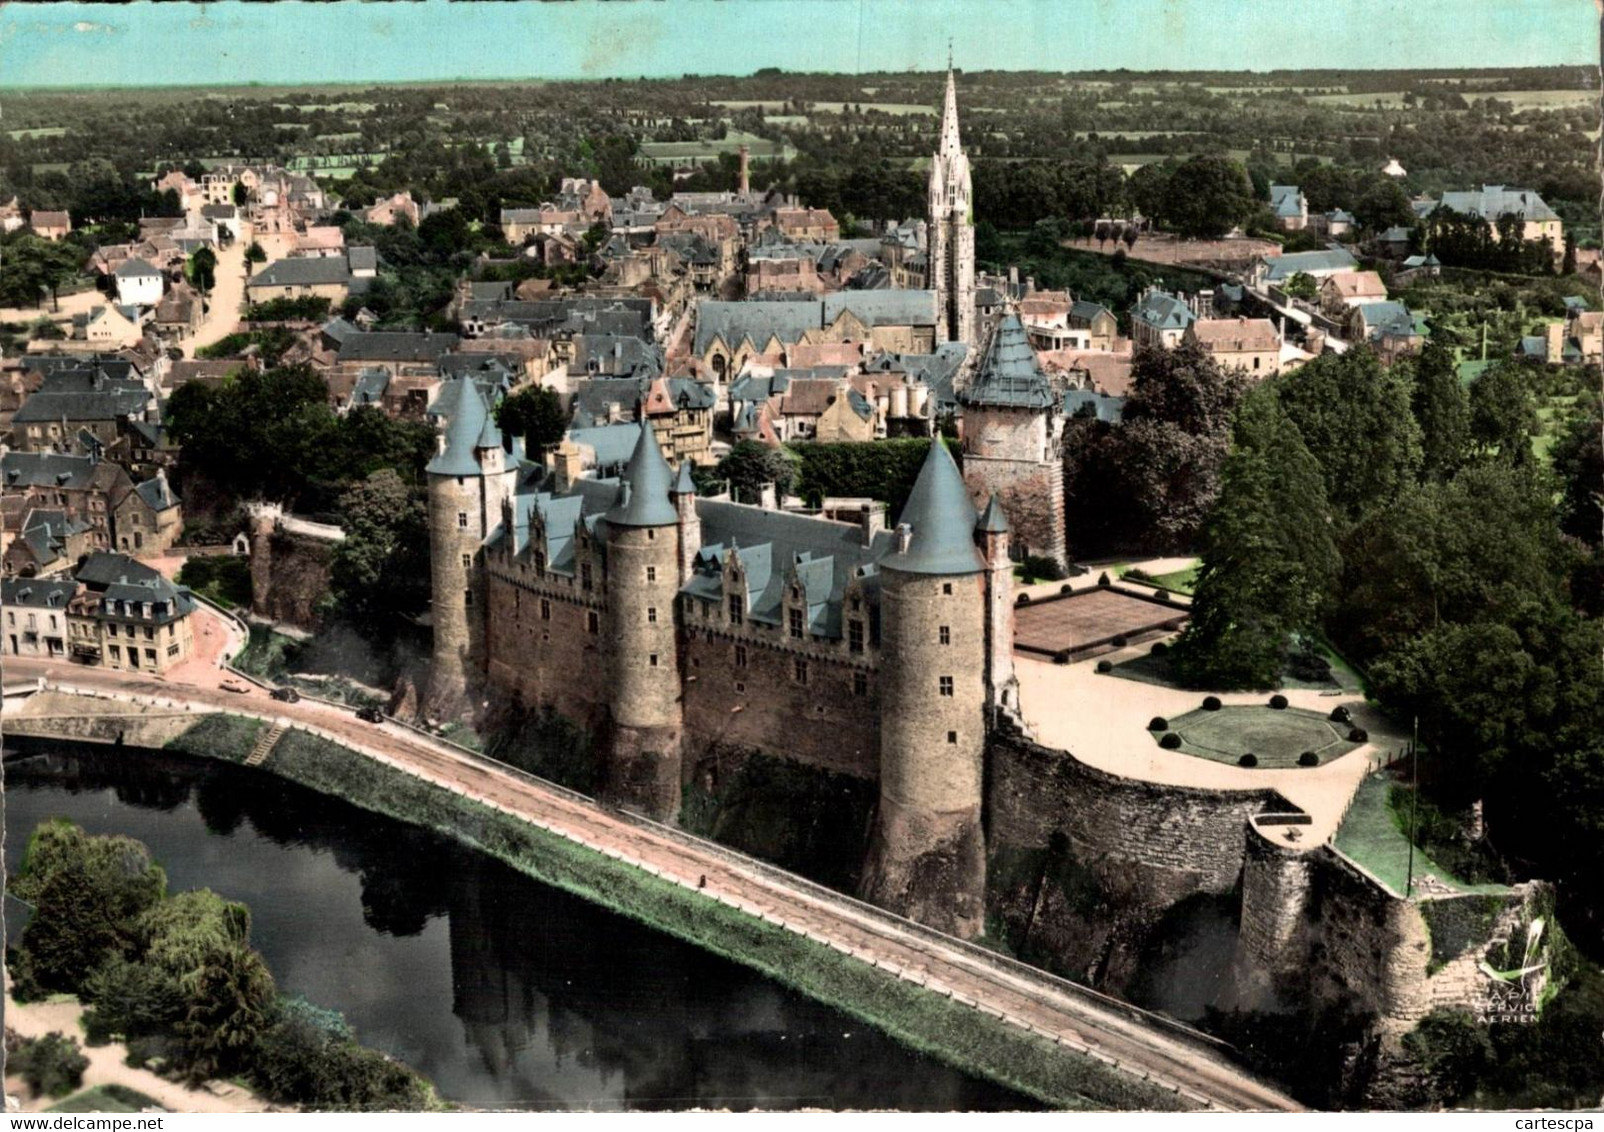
<point>229,43</point>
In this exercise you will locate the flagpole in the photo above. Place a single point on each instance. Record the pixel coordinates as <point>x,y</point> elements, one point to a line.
<point>1414,806</point>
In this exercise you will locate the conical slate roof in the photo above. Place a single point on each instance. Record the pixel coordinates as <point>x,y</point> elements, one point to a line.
<point>992,520</point>
<point>648,479</point>
<point>683,483</point>
<point>942,521</point>
<point>1009,374</point>
<point>463,431</point>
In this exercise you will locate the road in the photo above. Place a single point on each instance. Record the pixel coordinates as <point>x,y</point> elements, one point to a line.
<point>1061,1012</point>
<point>223,304</point>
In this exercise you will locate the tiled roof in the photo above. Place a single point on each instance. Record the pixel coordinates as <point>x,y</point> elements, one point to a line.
<point>1493,201</point>
<point>397,346</point>
<point>1162,311</point>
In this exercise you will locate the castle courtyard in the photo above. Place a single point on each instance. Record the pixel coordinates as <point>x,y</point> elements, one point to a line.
<point>1102,720</point>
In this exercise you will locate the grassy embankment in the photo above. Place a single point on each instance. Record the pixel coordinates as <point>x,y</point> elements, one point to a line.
<point>921,1019</point>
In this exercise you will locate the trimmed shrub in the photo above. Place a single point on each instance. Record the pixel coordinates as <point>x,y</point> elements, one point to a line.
<point>1170,741</point>
<point>1358,735</point>
<point>1041,568</point>
<point>1278,702</point>
<point>52,1064</point>
<point>1159,648</point>
<point>1066,589</point>
<point>1105,666</point>
<point>1158,723</point>
<point>1211,703</point>
<point>1249,759</point>
<point>1102,579</point>
<point>1022,599</point>
<point>1308,758</point>
<point>1061,656</point>
<point>1119,642</point>
<point>1340,715</point>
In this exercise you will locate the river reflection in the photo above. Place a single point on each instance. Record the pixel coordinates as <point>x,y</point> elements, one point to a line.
<point>505,992</point>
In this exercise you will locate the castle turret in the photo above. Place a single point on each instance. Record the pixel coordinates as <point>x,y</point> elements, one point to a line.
<point>927,857</point>
<point>690,524</point>
<point>951,254</point>
<point>641,743</point>
<point>470,477</point>
<point>991,535</point>
<point>1012,447</point>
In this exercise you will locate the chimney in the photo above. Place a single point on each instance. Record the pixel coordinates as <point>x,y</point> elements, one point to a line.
<point>769,497</point>
<point>746,183</point>
<point>873,518</point>
<point>1555,334</point>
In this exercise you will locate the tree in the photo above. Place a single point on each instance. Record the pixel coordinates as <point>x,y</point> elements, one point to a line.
<point>241,194</point>
<point>86,892</point>
<point>1207,196</point>
<point>1568,263</point>
<point>380,570</point>
<point>202,943</point>
<point>203,269</point>
<point>1383,204</point>
<point>52,1065</point>
<point>255,253</point>
<point>1578,460</point>
<point>1441,411</point>
<point>1354,415</point>
<point>1302,286</point>
<point>1129,236</point>
<point>750,465</point>
<point>1503,414</point>
<point>1148,189</point>
<point>1269,561</point>
<point>1149,483</point>
<point>536,414</point>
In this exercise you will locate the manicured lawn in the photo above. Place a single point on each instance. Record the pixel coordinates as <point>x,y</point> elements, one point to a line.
<point>1276,738</point>
<point>1372,834</point>
<point>105,1098</point>
<point>1181,581</point>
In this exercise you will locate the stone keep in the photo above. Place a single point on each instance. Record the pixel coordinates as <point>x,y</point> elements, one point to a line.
<point>1011,442</point>
<point>951,248</point>
<point>470,481</point>
<point>927,857</point>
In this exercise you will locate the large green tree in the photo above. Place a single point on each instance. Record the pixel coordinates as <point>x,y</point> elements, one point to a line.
<point>1206,196</point>
<point>536,414</point>
<point>86,892</point>
<point>1268,557</point>
<point>1441,411</point>
<point>381,570</point>
<point>1503,413</point>
<point>1356,418</point>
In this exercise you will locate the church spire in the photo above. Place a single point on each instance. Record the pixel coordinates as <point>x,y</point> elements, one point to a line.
<point>950,143</point>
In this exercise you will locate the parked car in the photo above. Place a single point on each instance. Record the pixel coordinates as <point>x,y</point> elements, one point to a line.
<point>370,714</point>
<point>287,695</point>
<point>235,686</point>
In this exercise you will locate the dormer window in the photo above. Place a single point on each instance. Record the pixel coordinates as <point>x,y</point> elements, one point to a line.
<point>794,618</point>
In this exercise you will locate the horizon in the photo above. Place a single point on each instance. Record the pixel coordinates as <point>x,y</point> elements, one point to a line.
<point>235,45</point>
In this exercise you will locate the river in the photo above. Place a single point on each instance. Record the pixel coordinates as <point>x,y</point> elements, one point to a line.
<point>505,992</point>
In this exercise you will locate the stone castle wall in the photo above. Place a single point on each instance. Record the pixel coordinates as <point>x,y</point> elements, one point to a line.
<point>542,647</point>
<point>289,577</point>
<point>1032,496</point>
<point>1166,842</point>
<point>825,723</point>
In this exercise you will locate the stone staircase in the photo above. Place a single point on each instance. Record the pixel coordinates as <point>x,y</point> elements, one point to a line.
<point>264,745</point>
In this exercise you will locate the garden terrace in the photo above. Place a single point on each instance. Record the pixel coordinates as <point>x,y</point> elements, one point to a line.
<point>1100,618</point>
<point>1103,720</point>
<point>1276,738</point>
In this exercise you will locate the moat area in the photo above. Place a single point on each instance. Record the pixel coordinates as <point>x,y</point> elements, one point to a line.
<point>503,991</point>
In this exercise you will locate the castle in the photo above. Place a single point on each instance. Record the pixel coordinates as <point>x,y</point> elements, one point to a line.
<point>667,625</point>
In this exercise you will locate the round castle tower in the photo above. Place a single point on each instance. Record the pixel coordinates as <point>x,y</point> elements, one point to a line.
<point>641,745</point>
<point>927,858</point>
<point>469,479</point>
